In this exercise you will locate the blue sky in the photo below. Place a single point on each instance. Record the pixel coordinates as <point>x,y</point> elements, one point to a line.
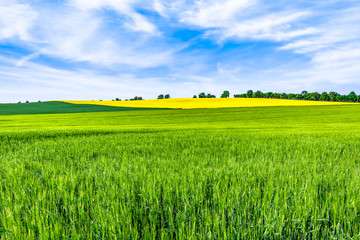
<point>103,49</point>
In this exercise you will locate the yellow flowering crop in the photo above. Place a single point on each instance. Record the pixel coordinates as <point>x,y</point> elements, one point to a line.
<point>191,103</point>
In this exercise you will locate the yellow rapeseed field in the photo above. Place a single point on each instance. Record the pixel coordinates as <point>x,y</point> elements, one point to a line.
<point>192,103</point>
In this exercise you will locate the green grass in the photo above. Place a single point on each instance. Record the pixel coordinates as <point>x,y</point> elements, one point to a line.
<point>250,173</point>
<point>57,107</point>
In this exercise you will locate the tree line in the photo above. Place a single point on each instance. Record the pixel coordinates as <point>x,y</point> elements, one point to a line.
<point>225,94</point>
<point>304,95</point>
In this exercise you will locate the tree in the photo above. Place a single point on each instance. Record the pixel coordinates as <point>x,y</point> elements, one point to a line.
<point>307,96</point>
<point>352,97</point>
<point>341,98</point>
<point>225,94</point>
<point>257,94</point>
<point>194,96</point>
<point>269,95</point>
<point>202,95</point>
<point>299,96</point>
<point>117,99</point>
<point>315,96</point>
<point>209,95</point>
<point>324,96</point>
<point>167,96</point>
<point>283,96</point>
<point>332,96</point>
<point>161,96</point>
<point>249,93</point>
<point>291,96</point>
<point>277,95</point>
<point>136,98</point>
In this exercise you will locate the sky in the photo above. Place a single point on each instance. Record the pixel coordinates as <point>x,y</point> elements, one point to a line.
<point>107,49</point>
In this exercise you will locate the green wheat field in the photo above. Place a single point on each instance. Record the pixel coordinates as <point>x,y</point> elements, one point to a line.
<point>240,173</point>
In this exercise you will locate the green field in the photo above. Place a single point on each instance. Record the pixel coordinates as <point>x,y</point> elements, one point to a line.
<point>57,107</point>
<point>241,173</point>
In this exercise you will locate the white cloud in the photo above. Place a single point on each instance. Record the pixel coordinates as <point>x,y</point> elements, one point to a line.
<point>70,36</point>
<point>34,82</point>
<point>209,14</point>
<point>159,7</point>
<point>337,31</point>
<point>137,23</point>
<point>37,82</point>
<point>26,58</point>
<point>333,51</point>
<point>16,20</point>
<point>244,19</point>
<point>77,35</point>
<point>121,6</point>
<point>339,65</point>
<point>273,27</point>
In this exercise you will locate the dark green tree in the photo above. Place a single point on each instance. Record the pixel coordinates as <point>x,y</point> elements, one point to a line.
<point>194,96</point>
<point>341,98</point>
<point>225,94</point>
<point>307,96</point>
<point>332,96</point>
<point>291,96</point>
<point>249,93</point>
<point>269,95</point>
<point>137,98</point>
<point>167,96</point>
<point>202,95</point>
<point>324,96</point>
<point>283,96</point>
<point>352,97</point>
<point>257,94</point>
<point>315,96</point>
<point>299,96</point>
<point>161,96</point>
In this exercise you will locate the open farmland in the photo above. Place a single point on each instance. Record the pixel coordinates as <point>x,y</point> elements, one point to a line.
<point>194,103</point>
<point>235,173</point>
<point>57,107</point>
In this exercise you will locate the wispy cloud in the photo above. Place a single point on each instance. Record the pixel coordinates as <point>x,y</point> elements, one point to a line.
<point>210,14</point>
<point>339,30</point>
<point>333,51</point>
<point>35,82</point>
<point>16,19</point>
<point>275,27</point>
<point>137,22</point>
<point>81,35</point>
